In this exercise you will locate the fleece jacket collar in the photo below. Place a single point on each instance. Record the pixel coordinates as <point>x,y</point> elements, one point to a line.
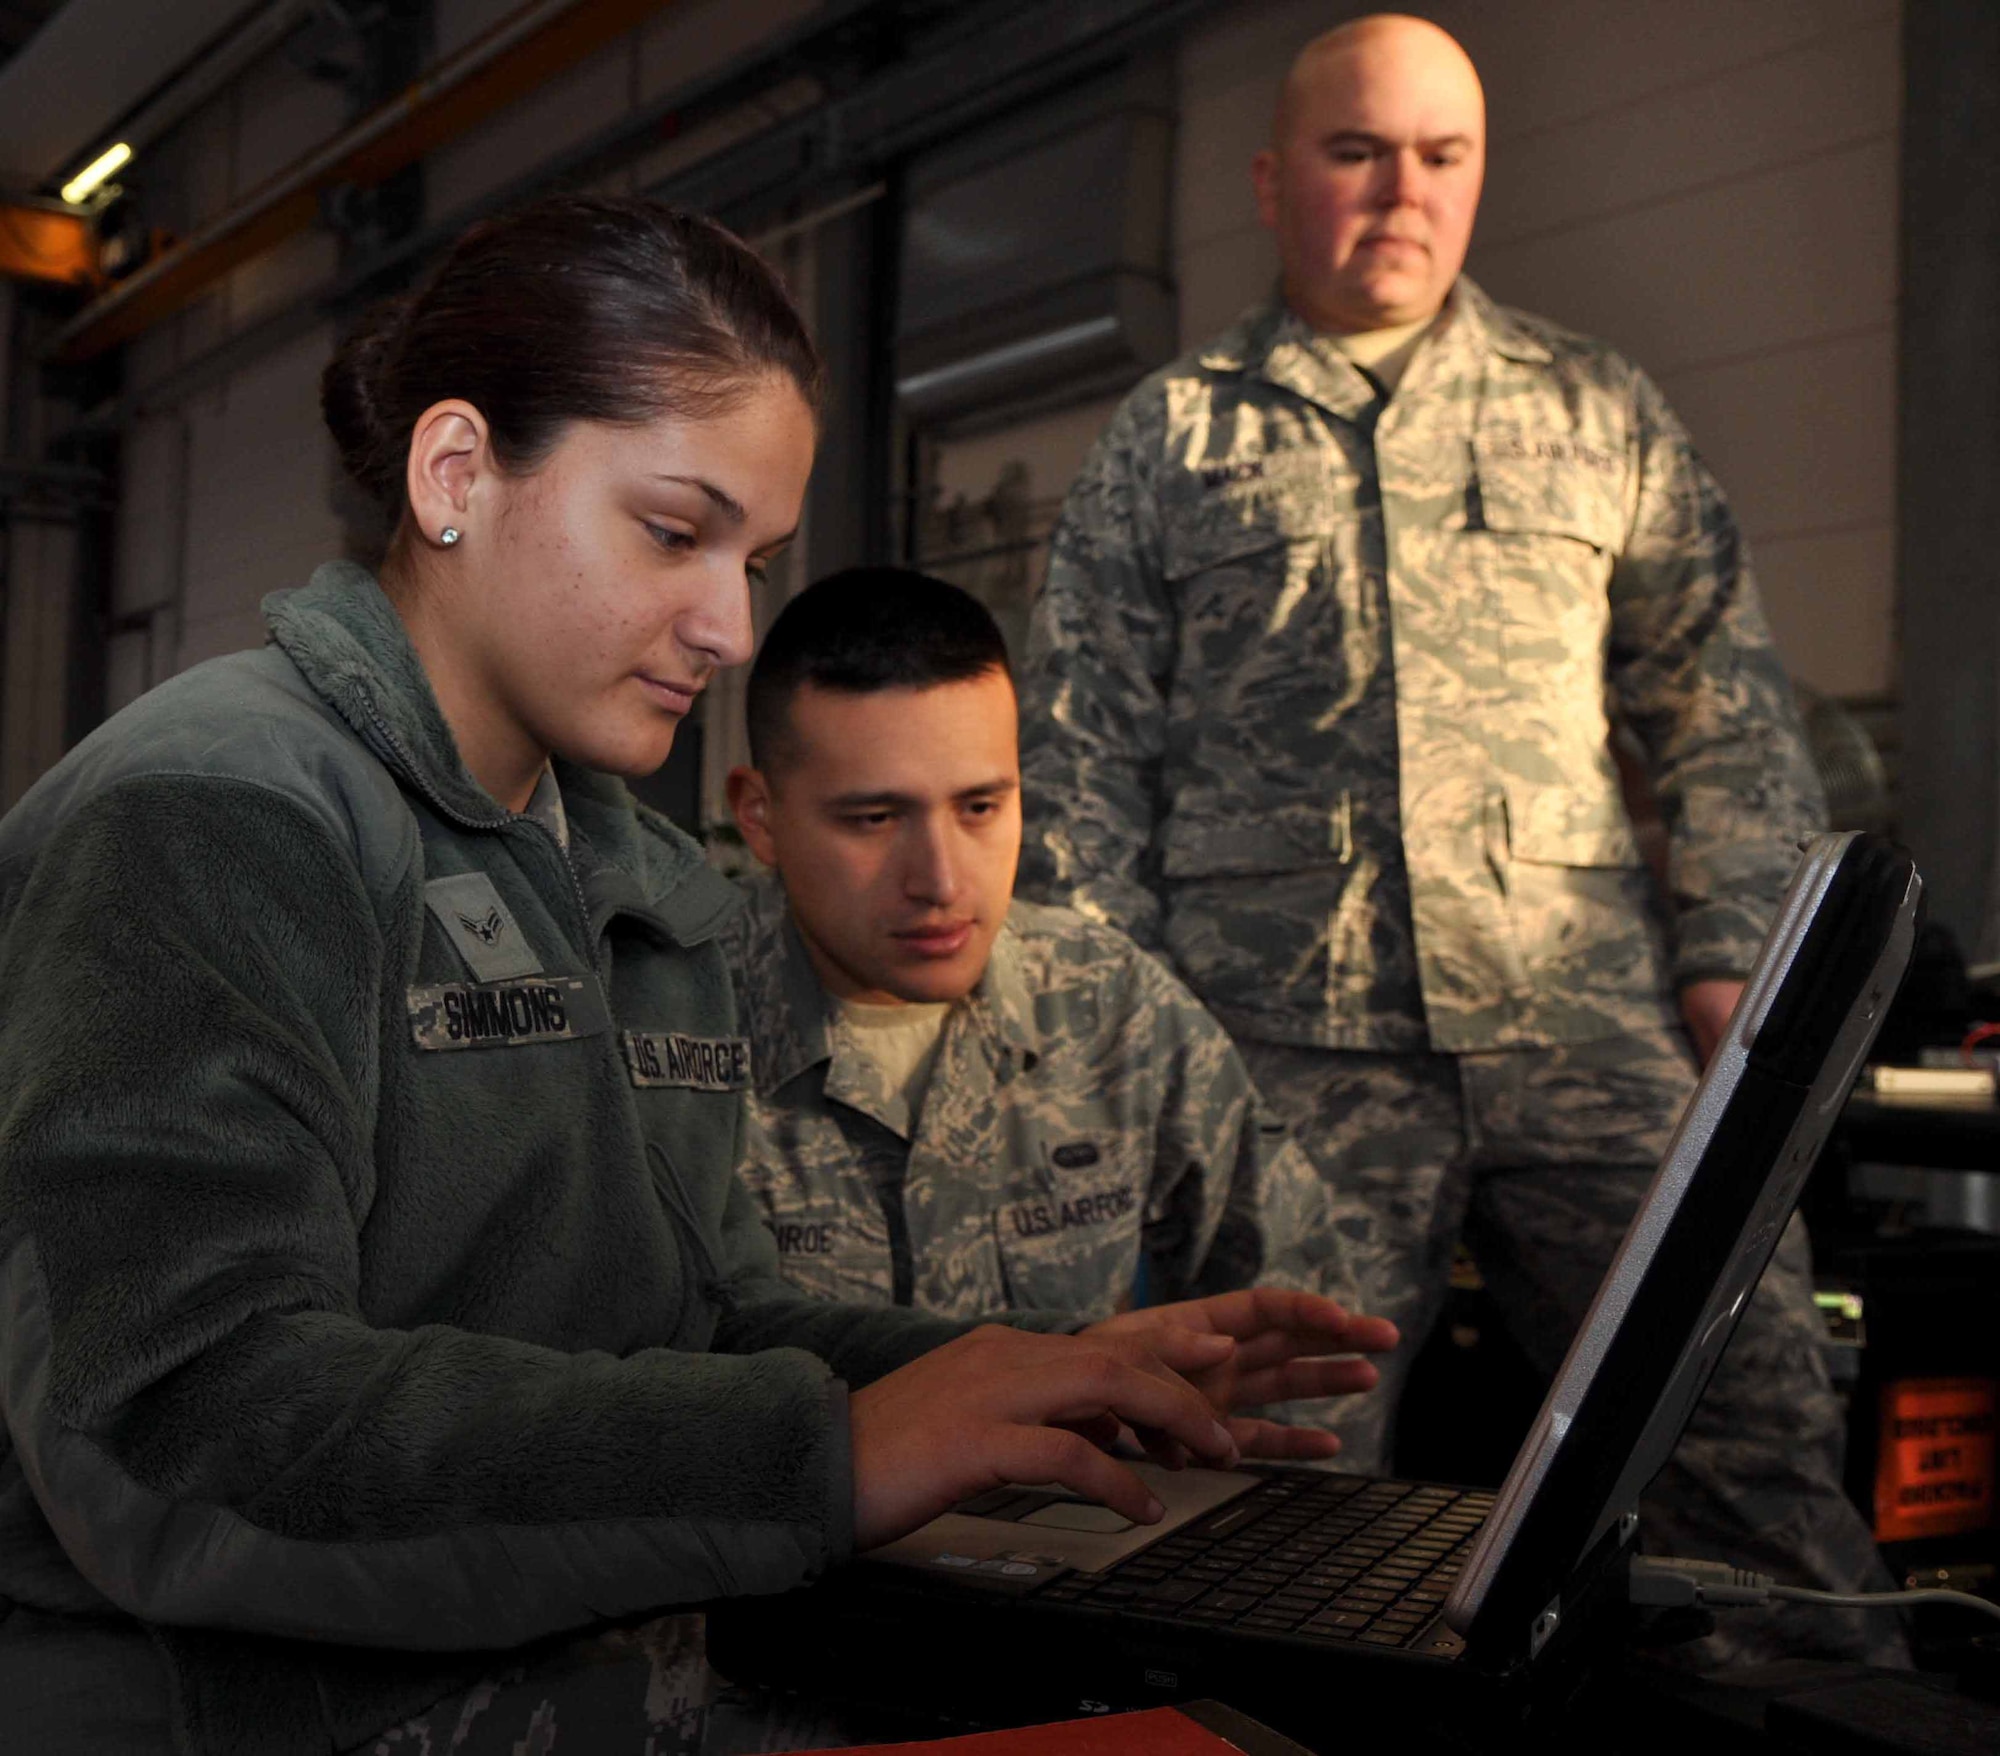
<point>350,645</point>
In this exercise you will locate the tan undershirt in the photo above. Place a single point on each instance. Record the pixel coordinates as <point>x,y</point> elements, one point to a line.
<point>1385,352</point>
<point>901,1040</point>
<point>545,805</point>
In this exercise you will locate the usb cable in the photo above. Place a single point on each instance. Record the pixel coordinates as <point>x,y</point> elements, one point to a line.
<point>1661,1582</point>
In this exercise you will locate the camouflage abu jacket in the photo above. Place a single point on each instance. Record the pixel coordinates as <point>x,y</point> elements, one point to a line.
<point>1083,1109</point>
<point>1316,693</point>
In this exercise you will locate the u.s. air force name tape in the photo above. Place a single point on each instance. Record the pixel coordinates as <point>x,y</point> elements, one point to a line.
<point>694,1063</point>
<point>502,1015</point>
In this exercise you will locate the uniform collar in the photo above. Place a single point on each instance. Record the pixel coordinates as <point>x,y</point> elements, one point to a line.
<point>1004,1002</point>
<point>351,647</point>
<point>1272,342</point>
<point>791,1017</point>
<point>790,1014</point>
<point>1498,328</point>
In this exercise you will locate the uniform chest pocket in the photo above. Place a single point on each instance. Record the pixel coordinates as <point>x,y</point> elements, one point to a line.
<point>1242,527</point>
<point>1264,623</point>
<point>1543,528</point>
<point>1073,1246</point>
<point>1532,483</point>
<point>1546,519</point>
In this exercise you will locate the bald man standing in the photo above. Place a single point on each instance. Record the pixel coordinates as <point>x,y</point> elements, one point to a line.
<point>1319,700</point>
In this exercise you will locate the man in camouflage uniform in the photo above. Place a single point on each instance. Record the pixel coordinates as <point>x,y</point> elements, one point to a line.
<point>1316,700</point>
<point>1071,1126</point>
<point>1081,1113</point>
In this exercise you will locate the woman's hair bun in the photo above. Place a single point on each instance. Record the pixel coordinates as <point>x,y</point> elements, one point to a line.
<point>356,393</point>
<point>575,308</point>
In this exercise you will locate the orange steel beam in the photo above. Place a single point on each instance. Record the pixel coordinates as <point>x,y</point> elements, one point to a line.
<point>37,243</point>
<point>524,50</point>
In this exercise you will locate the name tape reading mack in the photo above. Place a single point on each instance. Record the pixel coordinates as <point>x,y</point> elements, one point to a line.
<point>693,1063</point>
<point>500,1015</point>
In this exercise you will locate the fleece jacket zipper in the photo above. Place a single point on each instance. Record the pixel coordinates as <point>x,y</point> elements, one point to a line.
<point>709,1277</point>
<point>505,823</point>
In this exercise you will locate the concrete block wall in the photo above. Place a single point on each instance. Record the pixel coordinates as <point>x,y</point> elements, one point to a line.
<point>224,495</point>
<point>1709,184</point>
<point>34,657</point>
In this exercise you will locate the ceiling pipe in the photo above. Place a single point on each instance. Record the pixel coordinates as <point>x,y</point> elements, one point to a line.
<point>179,97</point>
<point>523,51</point>
<point>93,63</point>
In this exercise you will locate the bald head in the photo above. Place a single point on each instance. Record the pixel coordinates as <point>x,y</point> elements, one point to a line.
<point>1385,48</point>
<point>1372,177</point>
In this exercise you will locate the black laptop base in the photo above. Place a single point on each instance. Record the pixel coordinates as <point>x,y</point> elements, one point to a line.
<point>1274,1648</point>
<point>1330,1559</point>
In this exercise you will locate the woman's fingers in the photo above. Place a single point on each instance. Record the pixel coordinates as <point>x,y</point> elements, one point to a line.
<point>1067,1459</point>
<point>1108,1378</point>
<point>1361,1335</point>
<point>1250,1311</point>
<point>1304,1380</point>
<point>1259,1438</point>
<point>1101,1430</point>
<point>1184,1350</point>
<point>1167,1452</point>
<point>998,1405</point>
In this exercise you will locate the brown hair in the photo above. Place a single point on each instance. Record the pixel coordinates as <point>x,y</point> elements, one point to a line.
<point>578,308</point>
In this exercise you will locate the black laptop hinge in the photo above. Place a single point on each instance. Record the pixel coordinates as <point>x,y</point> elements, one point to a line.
<point>1544,1628</point>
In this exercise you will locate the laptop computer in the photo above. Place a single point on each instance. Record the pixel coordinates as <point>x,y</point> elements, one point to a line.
<point>1278,1587</point>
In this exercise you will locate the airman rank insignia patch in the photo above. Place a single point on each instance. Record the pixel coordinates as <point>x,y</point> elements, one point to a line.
<point>503,1015</point>
<point>693,1063</point>
<point>477,923</point>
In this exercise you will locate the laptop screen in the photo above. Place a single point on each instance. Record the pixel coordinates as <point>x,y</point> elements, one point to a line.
<point>1824,978</point>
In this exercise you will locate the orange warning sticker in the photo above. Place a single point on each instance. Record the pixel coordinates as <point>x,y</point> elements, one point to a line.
<point>1934,1468</point>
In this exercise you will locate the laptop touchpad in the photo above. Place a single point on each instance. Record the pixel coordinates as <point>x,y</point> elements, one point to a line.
<point>1053,1527</point>
<point>1079,1515</point>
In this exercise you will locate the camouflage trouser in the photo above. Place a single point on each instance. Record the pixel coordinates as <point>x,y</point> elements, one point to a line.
<point>1539,1159</point>
<point>644,1691</point>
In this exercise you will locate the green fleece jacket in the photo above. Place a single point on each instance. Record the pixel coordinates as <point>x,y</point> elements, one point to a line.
<point>375,1293</point>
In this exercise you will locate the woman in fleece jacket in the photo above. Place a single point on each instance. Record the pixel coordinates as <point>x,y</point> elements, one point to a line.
<point>375,1296</point>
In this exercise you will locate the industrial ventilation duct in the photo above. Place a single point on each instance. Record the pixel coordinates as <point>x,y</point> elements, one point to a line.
<point>1034,260</point>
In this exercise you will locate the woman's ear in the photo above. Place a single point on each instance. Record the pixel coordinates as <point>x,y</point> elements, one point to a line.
<point>450,452</point>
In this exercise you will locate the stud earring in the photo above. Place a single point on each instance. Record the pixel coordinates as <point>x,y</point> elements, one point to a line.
<point>448,536</point>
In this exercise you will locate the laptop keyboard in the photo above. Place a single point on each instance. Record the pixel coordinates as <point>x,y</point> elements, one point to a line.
<point>1311,1555</point>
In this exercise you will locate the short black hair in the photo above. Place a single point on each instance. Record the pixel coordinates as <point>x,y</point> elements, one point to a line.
<point>863,630</point>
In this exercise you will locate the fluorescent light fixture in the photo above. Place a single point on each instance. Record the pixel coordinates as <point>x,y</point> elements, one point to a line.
<point>80,187</point>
